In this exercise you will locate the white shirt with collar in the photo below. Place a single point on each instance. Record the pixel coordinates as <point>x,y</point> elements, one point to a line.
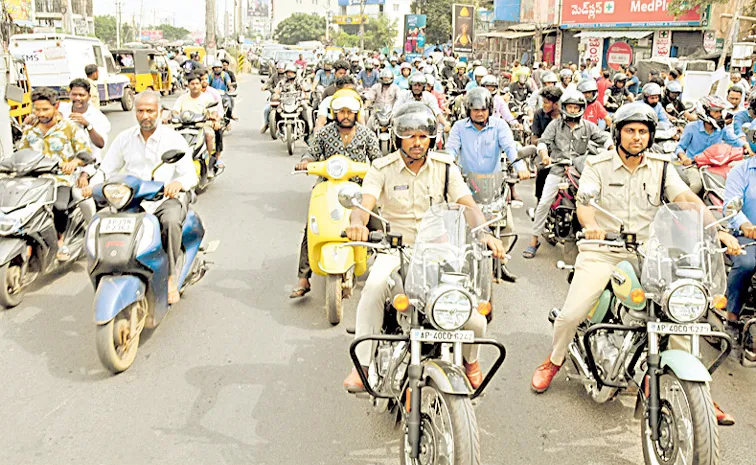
<point>96,118</point>
<point>427,98</point>
<point>135,156</point>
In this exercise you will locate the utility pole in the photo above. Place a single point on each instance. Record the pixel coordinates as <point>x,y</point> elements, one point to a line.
<point>68,17</point>
<point>362,26</point>
<point>118,23</point>
<point>732,32</point>
<point>6,136</point>
<point>210,28</point>
<point>139,32</point>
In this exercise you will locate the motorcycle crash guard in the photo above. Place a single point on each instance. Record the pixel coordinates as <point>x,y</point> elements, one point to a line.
<point>10,248</point>
<point>335,258</point>
<point>115,293</point>
<point>449,378</point>
<point>685,365</point>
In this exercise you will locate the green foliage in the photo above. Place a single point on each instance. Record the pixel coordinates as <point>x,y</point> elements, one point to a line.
<point>105,30</point>
<point>680,7</point>
<point>379,33</point>
<point>439,19</point>
<point>171,33</point>
<point>347,40</point>
<point>300,27</point>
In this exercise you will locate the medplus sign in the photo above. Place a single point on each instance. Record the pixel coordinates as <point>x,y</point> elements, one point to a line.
<point>609,7</point>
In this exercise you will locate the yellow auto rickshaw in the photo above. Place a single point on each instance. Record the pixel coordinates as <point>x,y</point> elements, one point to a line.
<point>19,109</point>
<point>145,68</point>
<point>201,50</point>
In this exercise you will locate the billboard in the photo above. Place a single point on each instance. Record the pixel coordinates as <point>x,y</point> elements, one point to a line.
<point>146,35</point>
<point>414,35</point>
<point>259,8</point>
<point>542,12</point>
<point>463,28</point>
<point>351,19</point>
<point>20,11</point>
<point>507,10</point>
<point>623,13</point>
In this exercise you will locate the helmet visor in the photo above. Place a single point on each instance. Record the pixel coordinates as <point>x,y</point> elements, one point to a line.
<point>350,103</point>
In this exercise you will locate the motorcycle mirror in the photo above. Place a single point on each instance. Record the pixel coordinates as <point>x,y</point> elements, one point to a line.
<point>350,196</point>
<point>586,194</point>
<point>172,156</point>
<point>734,206</point>
<point>689,106</point>
<point>213,104</point>
<point>670,108</point>
<point>86,157</point>
<point>262,80</point>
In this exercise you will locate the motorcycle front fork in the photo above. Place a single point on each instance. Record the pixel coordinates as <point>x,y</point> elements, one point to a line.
<point>652,380</point>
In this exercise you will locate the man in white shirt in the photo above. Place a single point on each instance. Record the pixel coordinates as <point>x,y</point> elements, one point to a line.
<point>80,111</point>
<point>220,111</point>
<point>197,101</point>
<point>137,152</point>
<point>417,92</point>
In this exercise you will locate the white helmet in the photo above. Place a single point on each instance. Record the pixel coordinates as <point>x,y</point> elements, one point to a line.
<point>430,80</point>
<point>480,71</point>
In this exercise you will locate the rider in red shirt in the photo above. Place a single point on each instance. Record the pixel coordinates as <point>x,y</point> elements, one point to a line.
<point>595,111</point>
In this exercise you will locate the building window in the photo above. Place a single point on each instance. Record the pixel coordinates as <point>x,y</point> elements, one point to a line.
<point>396,8</point>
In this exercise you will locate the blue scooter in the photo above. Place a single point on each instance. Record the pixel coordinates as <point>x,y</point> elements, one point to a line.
<point>128,265</point>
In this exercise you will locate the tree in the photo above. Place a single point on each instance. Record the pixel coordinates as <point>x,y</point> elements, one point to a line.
<point>346,40</point>
<point>439,19</point>
<point>300,27</point>
<point>105,29</point>
<point>680,7</point>
<point>379,33</point>
<point>172,33</point>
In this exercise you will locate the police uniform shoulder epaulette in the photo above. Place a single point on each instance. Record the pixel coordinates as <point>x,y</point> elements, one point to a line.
<point>659,156</point>
<point>441,156</point>
<point>387,160</point>
<point>602,157</point>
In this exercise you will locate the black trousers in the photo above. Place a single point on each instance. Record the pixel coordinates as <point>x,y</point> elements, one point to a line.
<point>171,215</point>
<point>60,209</point>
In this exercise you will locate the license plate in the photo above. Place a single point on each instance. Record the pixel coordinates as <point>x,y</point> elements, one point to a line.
<point>117,225</point>
<point>676,328</point>
<point>383,136</point>
<point>429,335</point>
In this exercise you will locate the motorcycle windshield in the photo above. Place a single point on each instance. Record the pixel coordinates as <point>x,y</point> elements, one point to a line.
<point>445,252</point>
<point>19,192</point>
<point>679,247</point>
<point>485,187</point>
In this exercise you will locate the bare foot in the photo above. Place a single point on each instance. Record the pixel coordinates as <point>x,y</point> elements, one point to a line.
<point>173,292</point>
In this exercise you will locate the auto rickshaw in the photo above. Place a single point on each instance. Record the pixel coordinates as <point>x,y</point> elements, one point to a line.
<point>19,109</point>
<point>201,50</point>
<point>145,68</point>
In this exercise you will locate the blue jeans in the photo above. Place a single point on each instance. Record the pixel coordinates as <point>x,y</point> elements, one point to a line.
<point>266,112</point>
<point>743,268</point>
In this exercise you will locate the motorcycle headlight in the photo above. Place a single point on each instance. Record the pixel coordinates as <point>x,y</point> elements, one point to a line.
<point>117,195</point>
<point>451,310</point>
<point>686,303</point>
<point>336,168</point>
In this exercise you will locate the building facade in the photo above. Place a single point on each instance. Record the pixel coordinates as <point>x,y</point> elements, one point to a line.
<point>282,9</point>
<point>71,16</point>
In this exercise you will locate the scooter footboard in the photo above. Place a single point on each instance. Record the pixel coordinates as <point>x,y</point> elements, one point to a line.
<point>114,293</point>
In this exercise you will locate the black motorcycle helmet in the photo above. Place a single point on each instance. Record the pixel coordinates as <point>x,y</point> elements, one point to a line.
<point>635,112</point>
<point>478,98</point>
<point>752,102</point>
<point>414,116</point>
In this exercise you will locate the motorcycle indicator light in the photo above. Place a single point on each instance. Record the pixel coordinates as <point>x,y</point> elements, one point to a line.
<point>637,296</point>
<point>484,308</point>
<point>401,302</point>
<point>719,302</point>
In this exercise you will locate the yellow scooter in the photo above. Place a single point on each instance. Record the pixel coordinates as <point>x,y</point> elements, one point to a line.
<point>326,220</point>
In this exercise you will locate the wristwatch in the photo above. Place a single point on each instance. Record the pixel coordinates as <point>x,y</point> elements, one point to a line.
<point>89,128</point>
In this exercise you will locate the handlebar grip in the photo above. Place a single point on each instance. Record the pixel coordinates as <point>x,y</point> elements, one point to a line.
<point>375,236</point>
<point>580,235</point>
<point>343,234</point>
<point>613,236</point>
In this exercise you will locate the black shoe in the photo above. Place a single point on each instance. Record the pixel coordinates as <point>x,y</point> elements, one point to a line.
<point>507,275</point>
<point>733,330</point>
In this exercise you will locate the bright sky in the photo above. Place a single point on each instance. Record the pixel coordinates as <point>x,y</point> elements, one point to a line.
<point>190,14</point>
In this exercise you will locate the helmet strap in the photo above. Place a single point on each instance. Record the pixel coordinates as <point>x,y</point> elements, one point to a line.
<point>412,160</point>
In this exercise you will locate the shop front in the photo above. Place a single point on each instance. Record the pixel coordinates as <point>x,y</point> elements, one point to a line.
<point>617,34</point>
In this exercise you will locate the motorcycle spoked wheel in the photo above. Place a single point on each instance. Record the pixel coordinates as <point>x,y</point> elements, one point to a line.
<point>448,430</point>
<point>290,139</point>
<point>116,346</point>
<point>688,431</point>
<point>11,291</point>
<point>272,124</point>
<point>334,298</point>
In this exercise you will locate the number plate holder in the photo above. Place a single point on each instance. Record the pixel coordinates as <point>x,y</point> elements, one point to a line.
<point>689,329</point>
<point>432,335</point>
<point>117,225</point>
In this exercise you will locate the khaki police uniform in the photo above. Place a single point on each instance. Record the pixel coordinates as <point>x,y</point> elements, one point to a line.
<point>404,197</point>
<point>634,198</point>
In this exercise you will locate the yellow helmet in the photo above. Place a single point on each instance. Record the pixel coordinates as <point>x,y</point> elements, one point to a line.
<point>345,98</point>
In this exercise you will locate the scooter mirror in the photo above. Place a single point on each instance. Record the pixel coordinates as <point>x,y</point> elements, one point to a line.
<point>211,105</point>
<point>172,156</point>
<point>86,157</point>
<point>734,206</point>
<point>262,81</point>
<point>587,193</point>
<point>349,196</point>
<point>670,108</point>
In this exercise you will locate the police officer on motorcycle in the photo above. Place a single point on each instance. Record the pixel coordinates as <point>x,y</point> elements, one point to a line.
<point>406,183</point>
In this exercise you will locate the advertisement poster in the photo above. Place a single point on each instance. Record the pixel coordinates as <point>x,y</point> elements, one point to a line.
<point>462,27</point>
<point>662,44</point>
<point>20,11</point>
<point>414,35</point>
<point>594,49</point>
<point>623,13</point>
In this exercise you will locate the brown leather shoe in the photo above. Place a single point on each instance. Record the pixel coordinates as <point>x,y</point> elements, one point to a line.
<point>472,370</point>
<point>353,383</point>
<point>544,375</point>
<point>723,419</point>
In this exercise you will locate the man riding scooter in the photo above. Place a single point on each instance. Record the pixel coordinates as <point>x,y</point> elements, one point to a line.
<point>341,137</point>
<point>477,142</point>
<point>406,183</point>
<point>619,177</point>
<point>270,86</point>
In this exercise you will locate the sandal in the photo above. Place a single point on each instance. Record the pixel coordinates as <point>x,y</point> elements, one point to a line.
<point>723,419</point>
<point>299,292</point>
<point>530,251</point>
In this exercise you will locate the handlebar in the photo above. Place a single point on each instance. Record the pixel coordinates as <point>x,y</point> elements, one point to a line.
<point>374,237</point>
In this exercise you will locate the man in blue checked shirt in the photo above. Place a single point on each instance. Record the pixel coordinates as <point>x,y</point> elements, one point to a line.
<point>741,184</point>
<point>700,135</point>
<point>745,116</point>
<point>476,143</point>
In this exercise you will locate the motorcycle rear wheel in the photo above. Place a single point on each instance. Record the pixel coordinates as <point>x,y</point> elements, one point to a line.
<point>692,399</point>
<point>444,416</point>
<point>334,301</point>
<point>11,277</point>
<point>106,336</point>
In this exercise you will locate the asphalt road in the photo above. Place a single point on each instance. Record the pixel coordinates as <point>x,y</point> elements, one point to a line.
<point>240,374</point>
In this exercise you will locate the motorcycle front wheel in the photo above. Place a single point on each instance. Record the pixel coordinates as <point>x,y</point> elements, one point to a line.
<point>290,139</point>
<point>448,430</point>
<point>272,124</point>
<point>334,301</point>
<point>11,292</point>
<point>688,431</point>
<point>116,346</point>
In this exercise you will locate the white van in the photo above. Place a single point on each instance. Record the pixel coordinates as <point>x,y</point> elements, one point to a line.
<point>54,60</point>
